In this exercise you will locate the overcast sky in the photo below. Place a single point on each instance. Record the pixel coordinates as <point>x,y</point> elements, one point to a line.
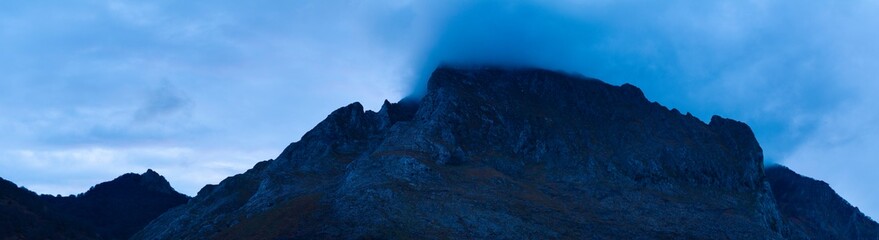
<point>201,90</point>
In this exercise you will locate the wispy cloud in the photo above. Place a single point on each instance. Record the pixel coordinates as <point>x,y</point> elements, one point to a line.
<point>164,102</point>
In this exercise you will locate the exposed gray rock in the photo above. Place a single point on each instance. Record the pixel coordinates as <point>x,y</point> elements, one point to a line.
<point>491,153</point>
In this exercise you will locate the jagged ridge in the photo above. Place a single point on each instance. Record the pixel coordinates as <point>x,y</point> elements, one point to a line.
<point>498,153</point>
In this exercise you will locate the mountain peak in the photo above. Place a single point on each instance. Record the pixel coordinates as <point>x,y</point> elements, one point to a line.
<point>117,209</point>
<point>153,181</point>
<point>491,152</point>
<point>477,76</point>
<point>549,154</point>
<point>111,210</point>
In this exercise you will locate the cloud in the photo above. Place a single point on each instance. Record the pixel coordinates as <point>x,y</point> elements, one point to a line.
<point>163,102</point>
<point>121,81</point>
<point>159,114</point>
<point>505,33</point>
<point>801,74</point>
<point>762,62</point>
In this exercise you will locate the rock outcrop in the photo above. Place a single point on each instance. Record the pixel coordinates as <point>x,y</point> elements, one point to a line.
<point>498,153</point>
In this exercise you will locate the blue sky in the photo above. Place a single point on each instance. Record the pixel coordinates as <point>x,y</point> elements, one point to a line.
<point>202,90</point>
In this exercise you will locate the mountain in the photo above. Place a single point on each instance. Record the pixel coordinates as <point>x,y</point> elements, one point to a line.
<point>24,216</point>
<point>517,154</point>
<point>498,153</point>
<point>111,210</point>
<point>814,211</point>
<point>119,208</point>
<point>510,153</point>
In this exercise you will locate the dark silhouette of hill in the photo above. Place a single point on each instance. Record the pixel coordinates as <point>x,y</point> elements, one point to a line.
<point>813,210</point>
<point>119,208</point>
<point>110,210</point>
<point>24,216</point>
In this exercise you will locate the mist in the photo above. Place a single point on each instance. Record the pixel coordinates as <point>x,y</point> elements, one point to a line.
<point>777,66</point>
<point>800,74</point>
<point>501,33</point>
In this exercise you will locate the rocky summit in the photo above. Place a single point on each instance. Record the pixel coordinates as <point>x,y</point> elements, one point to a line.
<point>499,153</point>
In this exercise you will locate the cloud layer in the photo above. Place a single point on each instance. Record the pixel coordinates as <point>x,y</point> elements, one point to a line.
<point>199,91</point>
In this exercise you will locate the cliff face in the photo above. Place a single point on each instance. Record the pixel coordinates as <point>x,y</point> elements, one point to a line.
<point>814,211</point>
<point>498,153</point>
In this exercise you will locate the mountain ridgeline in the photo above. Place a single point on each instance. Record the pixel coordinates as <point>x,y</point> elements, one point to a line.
<point>487,153</point>
<point>814,211</point>
<point>111,210</point>
<point>23,215</point>
<point>498,153</point>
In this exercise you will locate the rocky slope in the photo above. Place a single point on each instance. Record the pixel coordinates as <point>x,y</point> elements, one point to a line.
<point>498,153</point>
<point>111,210</point>
<point>814,211</point>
